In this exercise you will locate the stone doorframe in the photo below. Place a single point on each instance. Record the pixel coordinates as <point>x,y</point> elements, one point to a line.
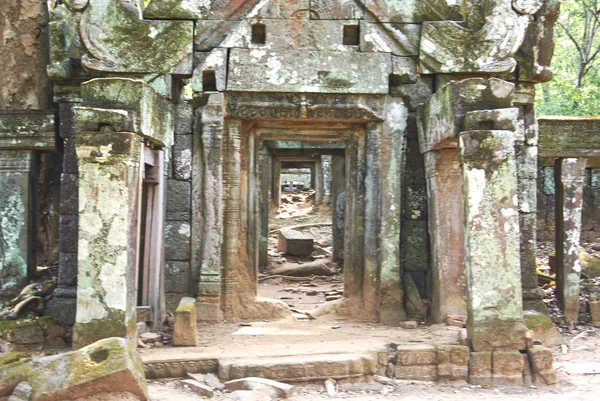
<point>232,126</point>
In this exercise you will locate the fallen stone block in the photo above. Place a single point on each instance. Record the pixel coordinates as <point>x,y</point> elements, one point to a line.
<point>252,383</point>
<point>198,388</point>
<point>295,243</point>
<point>150,338</point>
<point>184,331</point>
<point>409,324</point>
<point>106,366</point>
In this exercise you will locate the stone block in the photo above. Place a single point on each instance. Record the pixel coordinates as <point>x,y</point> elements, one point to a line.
<point>397,39</point>
<point>182,157</point>
<point>143,314</point>
<point>68,233</point>
<point>504,380</point>
<point>507,363</point>
<point>111,365</point>
<point>213,63</point>
<point>449,372</point>
<point>413,94</point>
<point>541,360</point>
<point>177,277</point>
<point>184,120</point>
<point>409,324</point>
<point>416,355</point>
<point>498,119</point>
<point>295,243</point>
<point>68,194</point>
<point>480,367</point>
<point>63,309</point>
<point>178,200</point>
<point>67,269</point>
<point>453,354</point>
<point>177,240</point>
<point>595,311</point>
<point>421,372</point>
<point>308,71</point>
<point>211,33</point>
<point>184,331</point>
<point>443,115</point>
<point>543,328</point>
<point>69,156</point>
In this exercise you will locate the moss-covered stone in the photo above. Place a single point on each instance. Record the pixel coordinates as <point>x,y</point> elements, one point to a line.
<point>12,357</point>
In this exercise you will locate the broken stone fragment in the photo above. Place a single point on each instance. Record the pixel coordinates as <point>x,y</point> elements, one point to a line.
<point>109,365</point>
<point>282,390</point>
<point>184,331</point>
<point>209,379</point>
<point>150,338</point>
<point>410,324</point>
<point>198,388</point>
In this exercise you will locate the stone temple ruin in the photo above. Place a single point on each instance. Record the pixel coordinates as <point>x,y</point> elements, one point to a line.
<point>142,143</point>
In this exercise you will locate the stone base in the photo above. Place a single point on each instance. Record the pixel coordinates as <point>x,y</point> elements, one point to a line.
<point>496,334</point>
<point>543,328</point>
<point>208,312</point>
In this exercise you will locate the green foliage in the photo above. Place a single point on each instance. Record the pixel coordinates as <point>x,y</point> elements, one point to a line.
<point>574,87</point>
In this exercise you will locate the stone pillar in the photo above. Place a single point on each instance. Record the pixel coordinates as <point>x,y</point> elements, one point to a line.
<point>372,256</point>
<point>446,231</point>
<point>63,304</point>
<point>319,183</point>
<point>569,178</point>
<point>109,190</point>
<point>17,228</point>
<point>492,238</point>
<point>326,168</point>
<point>276,182</point>
<point>391,154</point>
<point>210,220</point>
<point>338,205</point>
<point>265,166</point>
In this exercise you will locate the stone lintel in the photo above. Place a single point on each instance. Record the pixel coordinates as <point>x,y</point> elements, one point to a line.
<point>492,238</point>
<point>27,129</point>
<point>308,71</point>
<point>442,118</point>
<point>569,137</point>
<point>569,181</point>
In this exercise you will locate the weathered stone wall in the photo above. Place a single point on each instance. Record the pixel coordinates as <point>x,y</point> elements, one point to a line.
<point>178,276</point>
<point>24,54</point>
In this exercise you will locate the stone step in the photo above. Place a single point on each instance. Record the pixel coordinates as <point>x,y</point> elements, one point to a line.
<point>300,368</point>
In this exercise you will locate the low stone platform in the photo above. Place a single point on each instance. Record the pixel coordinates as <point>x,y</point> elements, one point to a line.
<point>295,243</point>
<point>276,352</point>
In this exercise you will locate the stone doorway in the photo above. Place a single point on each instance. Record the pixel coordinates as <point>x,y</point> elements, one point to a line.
<point>371,158</point>
<point>301,235</point>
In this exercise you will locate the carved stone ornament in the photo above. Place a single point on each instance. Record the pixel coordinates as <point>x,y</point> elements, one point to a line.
<point>449,47</point>
<point>118,40</point>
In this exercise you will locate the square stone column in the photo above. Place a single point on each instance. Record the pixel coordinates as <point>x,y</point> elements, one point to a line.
<point>208,217</point>
<point>109,188</point>
<point>338,205</point>
<point>492,240</point>
<point>446,230</point>
<point>569,176</point>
